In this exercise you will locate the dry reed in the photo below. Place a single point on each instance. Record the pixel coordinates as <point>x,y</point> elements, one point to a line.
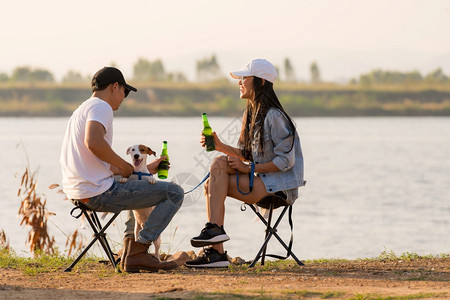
<point>4,243</point>
<point>75,241</point>
<point>35,215</point>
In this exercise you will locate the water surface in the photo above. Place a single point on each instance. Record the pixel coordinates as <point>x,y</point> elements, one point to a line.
<point>374,184</point>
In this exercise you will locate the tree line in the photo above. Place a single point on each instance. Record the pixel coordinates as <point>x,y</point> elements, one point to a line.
<point>144,70</point>
<point>378,77</point>
<point>221,100</point>
<point>208,70</point>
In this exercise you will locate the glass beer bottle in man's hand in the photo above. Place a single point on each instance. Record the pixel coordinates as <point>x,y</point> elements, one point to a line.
<point>207,132</point>
<point>163,167</point>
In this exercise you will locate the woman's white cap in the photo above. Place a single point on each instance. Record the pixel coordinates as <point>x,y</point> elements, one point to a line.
<point>258,67</point>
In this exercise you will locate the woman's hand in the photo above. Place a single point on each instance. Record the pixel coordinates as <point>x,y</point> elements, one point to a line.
<point>237,164</point>
<point>202,140</point>
<point>217,143</point>
<point>153,166</point>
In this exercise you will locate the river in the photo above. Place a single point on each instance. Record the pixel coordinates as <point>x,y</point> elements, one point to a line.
<point>373,184</point>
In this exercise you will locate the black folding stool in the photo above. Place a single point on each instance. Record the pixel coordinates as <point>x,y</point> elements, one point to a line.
<point>272,202</point>
<point>99,233</point>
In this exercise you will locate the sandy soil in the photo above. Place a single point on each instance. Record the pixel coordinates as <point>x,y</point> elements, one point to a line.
<point>418,278</point>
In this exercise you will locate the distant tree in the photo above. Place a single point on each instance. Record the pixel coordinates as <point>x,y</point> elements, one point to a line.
<point>145,70</point>
<point>141,69</point>
<point>26,74</point>
<point>437,76</point>
<point>289,71</point>
<point>208,70</point>
<point>4,77</point>
<point>158,71</point>
<point>390,77</point>
<point>315,73</point>
<point>413,77</point>
<point>41,75</point>
<point>74,77</point>
<point>21,74</point>
<point>365,80</point>
<point>177,77</point>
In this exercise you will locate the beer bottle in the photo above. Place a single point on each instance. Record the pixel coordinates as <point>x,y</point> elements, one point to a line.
<point>207,132</point>
<point>163,167</point>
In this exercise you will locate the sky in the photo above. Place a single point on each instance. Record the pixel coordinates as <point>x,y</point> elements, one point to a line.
<point>345,37</point>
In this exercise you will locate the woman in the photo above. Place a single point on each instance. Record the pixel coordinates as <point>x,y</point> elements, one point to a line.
<point>268,146</point>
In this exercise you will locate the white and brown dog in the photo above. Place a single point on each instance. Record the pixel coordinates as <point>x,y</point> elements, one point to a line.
<point>139,154</point>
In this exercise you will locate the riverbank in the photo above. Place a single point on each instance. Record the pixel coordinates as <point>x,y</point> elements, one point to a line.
<point>404,277</point>
<point>221,99</point>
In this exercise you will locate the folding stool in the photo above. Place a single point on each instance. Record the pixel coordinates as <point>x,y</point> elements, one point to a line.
<point>272,202</point>
<point>99,232</point>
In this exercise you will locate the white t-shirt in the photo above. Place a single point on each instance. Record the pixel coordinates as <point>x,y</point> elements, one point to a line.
<point>85,175</point>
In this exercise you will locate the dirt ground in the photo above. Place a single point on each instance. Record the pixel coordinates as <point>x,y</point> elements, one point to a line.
<point>360,279</point>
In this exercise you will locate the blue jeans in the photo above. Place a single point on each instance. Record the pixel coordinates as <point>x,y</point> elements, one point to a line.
<point>129,225</point>
<point>167,198</point>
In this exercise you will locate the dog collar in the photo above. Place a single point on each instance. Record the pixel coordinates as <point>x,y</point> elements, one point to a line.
<point>140,174</point>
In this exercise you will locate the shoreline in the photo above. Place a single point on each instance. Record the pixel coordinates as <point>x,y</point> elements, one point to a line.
<point>404,277</point>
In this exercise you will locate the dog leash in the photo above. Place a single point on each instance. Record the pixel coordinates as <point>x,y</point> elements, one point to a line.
<point>140,174</point>
<point>203,180</point>
<point>251,177</point>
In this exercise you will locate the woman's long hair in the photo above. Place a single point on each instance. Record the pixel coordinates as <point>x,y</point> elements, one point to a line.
<point>254,115</point>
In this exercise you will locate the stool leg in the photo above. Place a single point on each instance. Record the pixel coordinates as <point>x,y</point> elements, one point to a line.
<point>269,222</point>
<point>99,235</point>
<point>80,256</point>
<point>102,237</point>
<point>269,232</point>
<point>287,249</point>
<point>258,256</point>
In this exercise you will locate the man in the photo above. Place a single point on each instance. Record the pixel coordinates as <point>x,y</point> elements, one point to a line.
<point>89,163</point>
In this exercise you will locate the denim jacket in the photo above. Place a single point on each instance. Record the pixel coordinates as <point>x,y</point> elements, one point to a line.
<point>277,141</point>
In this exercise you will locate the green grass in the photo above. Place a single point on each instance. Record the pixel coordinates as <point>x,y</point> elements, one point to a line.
<point>408,256</point>
<point>275,265</point>
<point>311,294</point>
<point>407,297</point>
<point>384,256</point>
<point>42,263</point>
<point>56,263</point>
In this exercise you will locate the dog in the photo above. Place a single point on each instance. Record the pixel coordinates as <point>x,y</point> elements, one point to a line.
<point>138,155</point>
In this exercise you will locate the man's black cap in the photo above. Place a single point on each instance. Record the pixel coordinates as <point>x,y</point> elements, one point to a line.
<point>108,75</point>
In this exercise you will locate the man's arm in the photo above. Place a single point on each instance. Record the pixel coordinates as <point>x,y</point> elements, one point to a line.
<point>96,143</point>
<point>115,170</point>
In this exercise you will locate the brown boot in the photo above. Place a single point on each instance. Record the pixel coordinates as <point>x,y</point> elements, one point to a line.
<point>138,259</point>
<point>124,250</point>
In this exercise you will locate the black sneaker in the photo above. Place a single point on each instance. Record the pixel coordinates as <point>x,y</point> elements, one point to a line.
<point>211,258</point>
<point>212,234</point>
